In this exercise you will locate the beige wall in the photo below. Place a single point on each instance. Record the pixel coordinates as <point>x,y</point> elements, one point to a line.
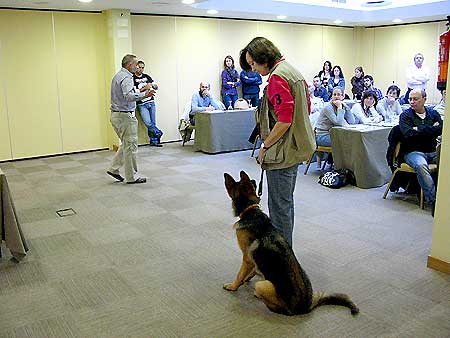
<point>440,247</point>
<point>386,52</point>
<point>52,81</point>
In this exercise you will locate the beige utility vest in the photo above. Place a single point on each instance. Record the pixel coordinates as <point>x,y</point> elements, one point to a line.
<point>298,142</point>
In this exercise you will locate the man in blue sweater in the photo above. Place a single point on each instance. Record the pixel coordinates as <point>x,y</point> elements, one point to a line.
<point>203,101</point>
<point>319,90</point>
<point>420,127</point>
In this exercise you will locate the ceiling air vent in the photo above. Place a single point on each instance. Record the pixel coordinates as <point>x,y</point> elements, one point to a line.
<point>376,3</point>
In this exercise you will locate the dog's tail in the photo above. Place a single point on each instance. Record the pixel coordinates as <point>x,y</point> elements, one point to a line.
<point>322,298</point>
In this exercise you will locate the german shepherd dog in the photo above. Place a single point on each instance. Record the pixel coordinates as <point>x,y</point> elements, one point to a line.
<point>286,288</point>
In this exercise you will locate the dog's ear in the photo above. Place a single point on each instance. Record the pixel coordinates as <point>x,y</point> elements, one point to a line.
<point>244,176</point>
<point>253,183</point>
<point>229,183</point>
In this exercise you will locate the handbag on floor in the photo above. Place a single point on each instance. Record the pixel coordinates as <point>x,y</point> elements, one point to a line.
<point>337,178</point>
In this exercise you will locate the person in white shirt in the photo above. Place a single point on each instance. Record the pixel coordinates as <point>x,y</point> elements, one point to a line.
<point>440,108</point>
<point>389,107</point>
<point>417,75</point>
<point>365,111</point>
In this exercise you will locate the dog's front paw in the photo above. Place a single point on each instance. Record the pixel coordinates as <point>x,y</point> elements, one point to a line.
<point>230,287</point>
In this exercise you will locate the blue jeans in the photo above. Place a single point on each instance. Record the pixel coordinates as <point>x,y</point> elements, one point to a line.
<point>419,161</point>
<point>147,111</point>
<point>323,140</point>
<point>254,99</point>
<point>229,98</point>
<point>280,186</point>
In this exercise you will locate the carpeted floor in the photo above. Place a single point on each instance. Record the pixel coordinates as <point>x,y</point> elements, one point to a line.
<point>149,260</point>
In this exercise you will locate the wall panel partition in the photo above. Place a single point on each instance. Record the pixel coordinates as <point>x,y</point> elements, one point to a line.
<point>394,49</point>
<point>307,50</point>
<point>29,70</point>
<point>5,144</point>
<point>154,42</point>
<point>339,47</point>
<point>80,49</point>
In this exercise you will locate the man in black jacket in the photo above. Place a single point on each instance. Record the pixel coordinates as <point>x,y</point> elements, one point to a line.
<point>420,127</point>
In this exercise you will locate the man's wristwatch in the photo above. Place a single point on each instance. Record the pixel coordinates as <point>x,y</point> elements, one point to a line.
<point>263,146</point>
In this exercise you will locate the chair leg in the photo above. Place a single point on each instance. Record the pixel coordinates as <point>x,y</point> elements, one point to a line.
<point>389,185</point>
<point>309,163</point>
<point>324,164</point>
<point>254,145</point>
<point>421,200</point>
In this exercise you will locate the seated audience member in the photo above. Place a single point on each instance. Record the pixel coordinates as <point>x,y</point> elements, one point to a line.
<point>417,75</point>
<point>319,89</point>
<point>440,108</point>
<point>368,85</point>
<point>203,101</point>
<point>420,127</point>
<point>357,82</point>
<point>230,81</point>
<point>365,111</point>
<point>316,105</point>
<point>336,80</point>
<point>389,107</point>
<point>334,113</point>
<point>325,73</point>
<point>250,86</point>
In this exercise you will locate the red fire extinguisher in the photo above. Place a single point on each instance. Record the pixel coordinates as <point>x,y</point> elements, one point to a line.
<point>444,45</point>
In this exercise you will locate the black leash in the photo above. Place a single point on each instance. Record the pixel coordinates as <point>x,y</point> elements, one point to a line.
<point>260,186</point>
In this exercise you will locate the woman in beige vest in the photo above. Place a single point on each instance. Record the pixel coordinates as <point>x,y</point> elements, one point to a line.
<point>288,138</point>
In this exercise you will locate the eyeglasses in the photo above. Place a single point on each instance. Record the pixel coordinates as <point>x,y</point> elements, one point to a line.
<point>415,98</point>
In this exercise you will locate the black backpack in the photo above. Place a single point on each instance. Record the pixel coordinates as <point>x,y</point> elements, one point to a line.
<point>337,178</point>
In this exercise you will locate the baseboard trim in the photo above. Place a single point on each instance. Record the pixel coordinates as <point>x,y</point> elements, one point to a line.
<point>437,264</point>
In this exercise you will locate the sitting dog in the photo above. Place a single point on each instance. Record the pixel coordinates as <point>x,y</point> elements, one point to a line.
<point>286,288</point>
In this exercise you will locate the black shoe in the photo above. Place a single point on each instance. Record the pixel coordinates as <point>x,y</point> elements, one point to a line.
<point>116,176</point>
<point>159,145</point>
<point>138,180</point>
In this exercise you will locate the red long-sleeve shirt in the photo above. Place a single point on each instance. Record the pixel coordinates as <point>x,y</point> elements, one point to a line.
<point>280,96</point>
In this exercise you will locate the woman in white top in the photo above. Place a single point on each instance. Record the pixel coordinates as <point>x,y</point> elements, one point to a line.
<point>389,107</point>
<point>365,111</point>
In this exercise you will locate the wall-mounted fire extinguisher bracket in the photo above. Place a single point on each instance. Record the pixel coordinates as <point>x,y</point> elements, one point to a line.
<point>444,45</point>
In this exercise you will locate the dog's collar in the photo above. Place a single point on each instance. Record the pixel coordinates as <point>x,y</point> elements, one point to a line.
<point>252,206</point>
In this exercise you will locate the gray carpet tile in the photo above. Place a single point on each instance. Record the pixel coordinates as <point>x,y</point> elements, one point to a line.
<point>28,304</point>
<point>433,323</point>
<point>111,234</point>
<point>37,214</point>
<point>150,260</point>
<point>33,169</point>
<point>27,274</point>
<point>77,264</point>
<point>58,159</point>
<point>60,327</point>
<point>120,199</point>
<point>60,244</point>
<point>130,317</point>
<point>101,287</point>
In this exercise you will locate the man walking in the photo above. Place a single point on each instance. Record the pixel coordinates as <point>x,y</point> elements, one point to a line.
<point>124,122</point>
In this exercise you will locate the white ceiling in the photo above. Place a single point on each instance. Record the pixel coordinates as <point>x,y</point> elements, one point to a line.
<point>351,12</point>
